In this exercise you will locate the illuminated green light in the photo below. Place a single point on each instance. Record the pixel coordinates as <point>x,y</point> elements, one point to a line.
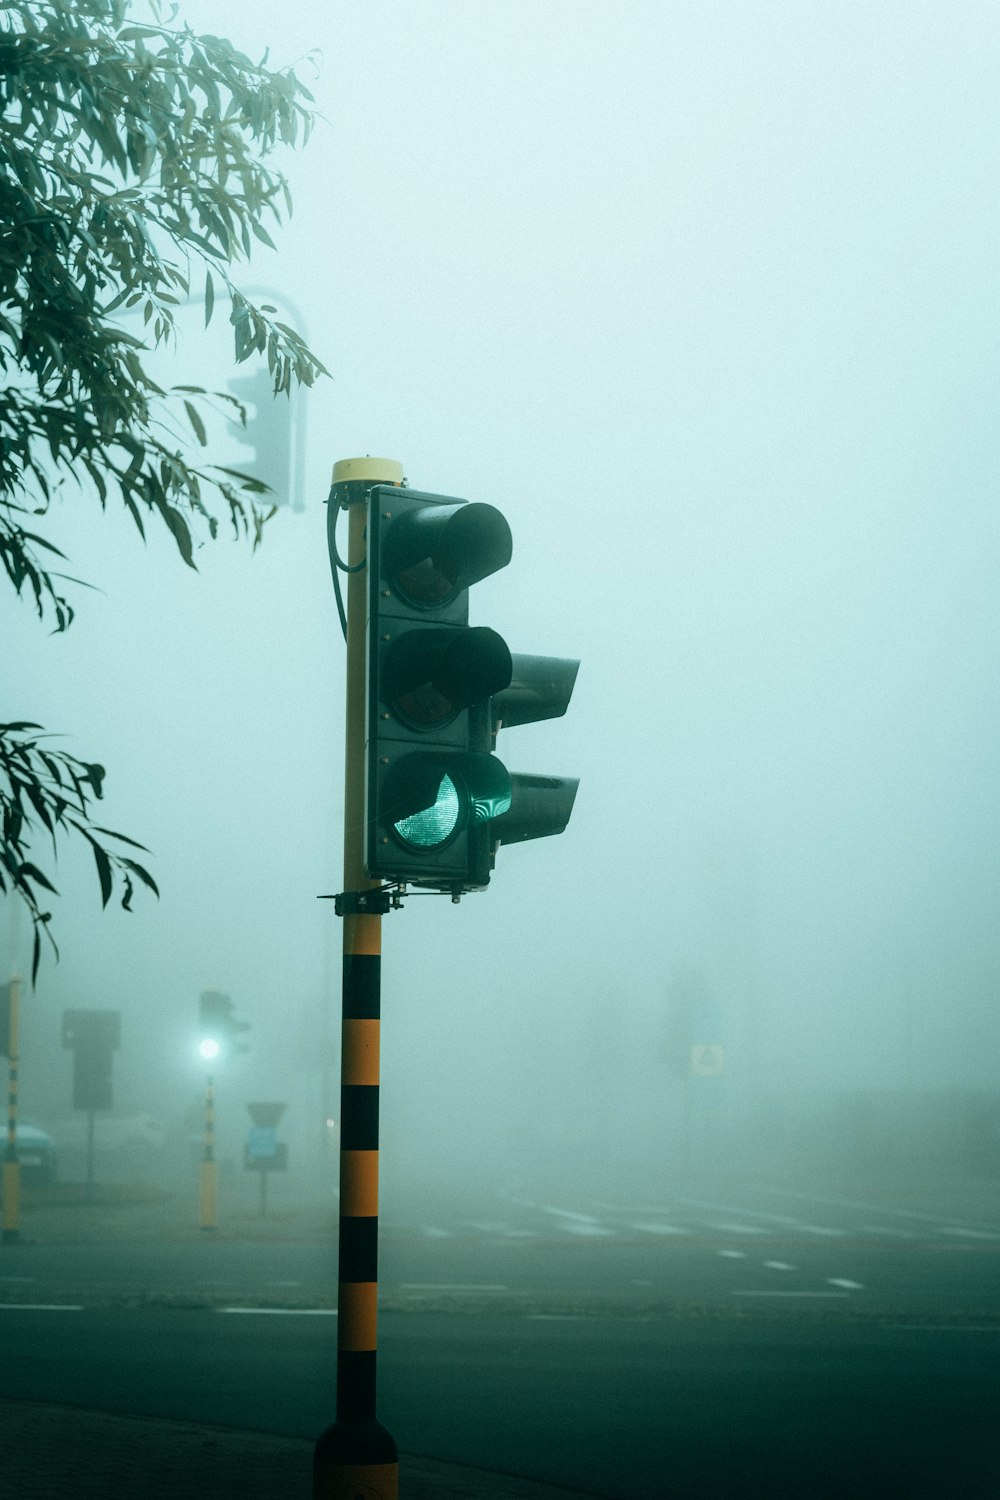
<point>209,1048</point>
<point>433,825</point>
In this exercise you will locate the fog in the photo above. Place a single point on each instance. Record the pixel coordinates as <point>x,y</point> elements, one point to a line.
<point>704,298</point>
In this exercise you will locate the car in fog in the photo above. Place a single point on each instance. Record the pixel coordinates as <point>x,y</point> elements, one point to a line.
<point>36,1154</point>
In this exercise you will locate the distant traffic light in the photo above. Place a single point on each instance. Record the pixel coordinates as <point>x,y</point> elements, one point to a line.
<point>270,434</point>
<point>438,801</point>
<point>218,1028</point>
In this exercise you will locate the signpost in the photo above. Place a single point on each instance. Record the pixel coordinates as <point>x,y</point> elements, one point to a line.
<point>263,1152</point>
<point>94,1036</point>
<point>9,1002</point>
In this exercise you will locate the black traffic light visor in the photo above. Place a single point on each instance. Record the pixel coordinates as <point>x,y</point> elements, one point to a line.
<point>540,687</point>
<point>427,676</point>
<point>433,552</point>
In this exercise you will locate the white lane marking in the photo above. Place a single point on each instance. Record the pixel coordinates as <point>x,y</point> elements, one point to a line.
<point>452,1286</point>
<point>733,1254</point>
<point>649,1226</point>
<point>739,1228</point>
<point>282,1312</point>
<point>969,1234</point>
<point>633,1208</point>
<point>778,1265</point>
<point>783,1219</point>
<point>949,1328</point>
<point>41,1307</point>
<point>851,1286</point>
<point>641,1281</point>
<point>434,1233</point>
<point>579,1223</point>
<point>553,1317</point>
<point>522,1234</point>
<point>871,1208</point>
<point>887,1233</point>
<point>788,1294</point>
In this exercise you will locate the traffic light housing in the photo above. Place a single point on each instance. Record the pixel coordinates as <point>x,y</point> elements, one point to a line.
<point>219,1030</point>
<point>438,802</point>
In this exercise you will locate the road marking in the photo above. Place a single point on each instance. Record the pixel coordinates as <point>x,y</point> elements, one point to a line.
<point>282,1312</point>
<point>641,1281</point>
<point>649,1227</point>
<point>879,1208</point>
<point>788,1294</point>
<point>579,1223</point>
<point>949,1328</point>
<point>739,1228</point>
<point>553,1317</point>
<point>851,1286</point>
<point>452,1286</point>
<point>887,1233</point>
<point>778,1265</point>
<point>969,1234</point>
<point>434,1233</point>
<point>733,1254</point>
<point>41,1306</point>
<point>783,1219</point>
<point>284,1283</point>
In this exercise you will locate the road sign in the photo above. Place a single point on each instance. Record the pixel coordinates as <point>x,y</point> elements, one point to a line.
<point>708,1060</point>
<point>262,1141</point>
<point>266,1114</point>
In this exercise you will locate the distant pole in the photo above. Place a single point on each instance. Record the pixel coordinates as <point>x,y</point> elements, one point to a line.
<point>208,1166</point>
<point>357,1455</point>
<point>11,1166</point>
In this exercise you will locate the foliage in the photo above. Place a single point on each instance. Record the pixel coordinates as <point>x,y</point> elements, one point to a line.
<point>133,176</point>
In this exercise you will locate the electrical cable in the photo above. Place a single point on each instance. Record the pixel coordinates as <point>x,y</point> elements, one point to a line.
<point>337,564</point>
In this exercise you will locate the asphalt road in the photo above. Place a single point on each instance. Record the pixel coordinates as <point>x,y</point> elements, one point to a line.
<point>726,1344</point>
<point>618,1407</point>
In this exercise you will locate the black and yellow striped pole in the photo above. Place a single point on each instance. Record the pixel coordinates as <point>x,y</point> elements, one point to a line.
<point>357,1456</point>
<point>11,1165</point>
<point>208,1217</point>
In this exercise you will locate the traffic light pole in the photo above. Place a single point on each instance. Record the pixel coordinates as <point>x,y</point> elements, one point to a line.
<point>357,1454</point>
<point>209,1219</point>
<point>11,1165</point>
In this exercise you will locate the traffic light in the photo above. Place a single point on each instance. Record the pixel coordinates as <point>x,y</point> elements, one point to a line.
<point>271,433</point>
<point>438,801</point>
<point>94,1035</point>
<point>218,1028</point>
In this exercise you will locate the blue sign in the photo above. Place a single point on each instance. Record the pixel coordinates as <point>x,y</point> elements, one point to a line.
<point>262,1142</point>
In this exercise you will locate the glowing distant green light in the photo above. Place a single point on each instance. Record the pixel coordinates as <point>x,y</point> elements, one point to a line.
<point>209,1048</point>
<point>433,825</point>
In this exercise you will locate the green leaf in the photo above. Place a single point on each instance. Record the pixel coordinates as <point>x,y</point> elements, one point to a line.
<point>103,871</point>
<point>194,417</point>
<point>32,872</point>
<point>209,297</point>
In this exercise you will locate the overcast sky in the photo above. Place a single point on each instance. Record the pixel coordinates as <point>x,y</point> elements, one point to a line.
<point>704,298</point>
